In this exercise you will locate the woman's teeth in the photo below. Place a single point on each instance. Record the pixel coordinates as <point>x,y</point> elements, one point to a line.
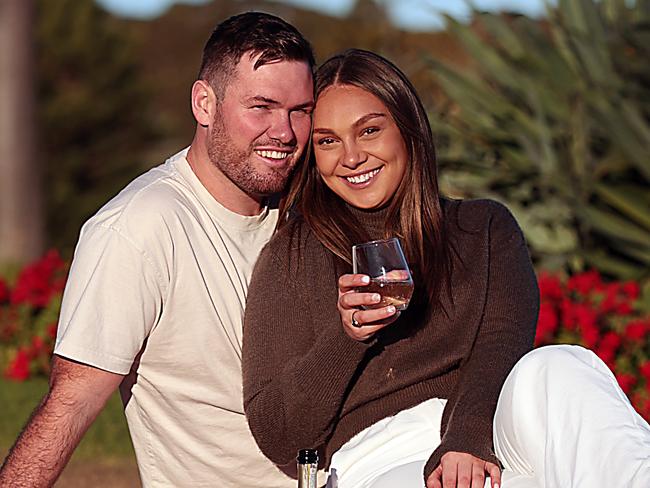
<point>273,154</point>
<point>362,178</point>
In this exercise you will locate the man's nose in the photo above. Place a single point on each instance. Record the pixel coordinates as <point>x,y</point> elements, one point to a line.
<point>281,130</point>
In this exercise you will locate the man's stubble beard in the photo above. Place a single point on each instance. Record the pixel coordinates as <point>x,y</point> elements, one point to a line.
<point>237,166</point>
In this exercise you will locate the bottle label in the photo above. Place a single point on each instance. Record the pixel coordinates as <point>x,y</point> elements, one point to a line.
<point>307,475</point>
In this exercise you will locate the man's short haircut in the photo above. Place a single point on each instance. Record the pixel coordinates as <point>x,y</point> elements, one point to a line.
<point>256,33</point>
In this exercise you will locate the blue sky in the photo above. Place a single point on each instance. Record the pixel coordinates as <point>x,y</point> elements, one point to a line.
<point>409,14</point>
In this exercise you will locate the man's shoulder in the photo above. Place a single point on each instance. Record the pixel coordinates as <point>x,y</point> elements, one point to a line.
<point>146,201</point>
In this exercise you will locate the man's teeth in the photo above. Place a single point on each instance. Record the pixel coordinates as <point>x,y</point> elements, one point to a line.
<point>273,154</point>
<point>362,178</point>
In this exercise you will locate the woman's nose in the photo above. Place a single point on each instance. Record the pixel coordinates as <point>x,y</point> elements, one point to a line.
<point>353,156</point>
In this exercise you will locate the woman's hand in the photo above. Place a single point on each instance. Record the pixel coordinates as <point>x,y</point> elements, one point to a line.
<point>350,303</point>
<point>462,470</point>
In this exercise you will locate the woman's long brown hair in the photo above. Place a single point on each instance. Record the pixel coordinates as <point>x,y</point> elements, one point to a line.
<point>414,213</point>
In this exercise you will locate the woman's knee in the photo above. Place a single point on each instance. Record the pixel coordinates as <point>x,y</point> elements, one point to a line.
<point>557,362</point>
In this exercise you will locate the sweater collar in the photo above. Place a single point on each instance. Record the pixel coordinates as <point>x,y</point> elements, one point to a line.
<point>373,221</point>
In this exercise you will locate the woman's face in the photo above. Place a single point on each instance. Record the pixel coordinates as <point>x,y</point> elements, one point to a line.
<point>360,153</point>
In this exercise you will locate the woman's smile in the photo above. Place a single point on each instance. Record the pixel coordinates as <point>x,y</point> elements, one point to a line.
<point>362,179</point>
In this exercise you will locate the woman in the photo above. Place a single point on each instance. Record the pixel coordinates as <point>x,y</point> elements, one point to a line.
<point>390,398</point>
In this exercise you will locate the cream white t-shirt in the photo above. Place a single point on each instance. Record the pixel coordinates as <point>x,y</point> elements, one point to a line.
<point>156,291</point>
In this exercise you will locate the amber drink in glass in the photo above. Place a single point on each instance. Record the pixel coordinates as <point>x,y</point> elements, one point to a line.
<point>384,261</point>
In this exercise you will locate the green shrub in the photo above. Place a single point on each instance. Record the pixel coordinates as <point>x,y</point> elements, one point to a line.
<point>552,117</point>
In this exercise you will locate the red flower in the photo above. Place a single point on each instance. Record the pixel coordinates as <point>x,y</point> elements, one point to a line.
<point>51,330</point>
<point>590,335</point>
<point>568,314</point>
<point>586,282</point>
<point>631,289</point>
<point>644,369</point>
<point>39,281</point>
<point>550,287</point>
<point>624,308</point>
<point>586,316</point>
<point>616,300</point>
<point>4,292</point>
<point>610,301</point>
<point>611,341</point>
<point>18,369</point>
<point>636,330</point>
<point>627,381</point>
<point>546,323</point>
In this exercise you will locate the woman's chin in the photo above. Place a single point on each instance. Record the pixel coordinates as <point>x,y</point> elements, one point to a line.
<point>366,204</point>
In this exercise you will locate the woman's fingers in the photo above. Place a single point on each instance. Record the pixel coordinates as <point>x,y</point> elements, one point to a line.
<point>365,328</point>
<point>495,474</point>
<point>464,474</point>
<point>356,300</point>
<point>360,320</point>
<point>478,474</point>
<point>349,282</point>
<point>449,475</point>
<point>462,470</point>
<point>435,478</point>
<point>378,316</point>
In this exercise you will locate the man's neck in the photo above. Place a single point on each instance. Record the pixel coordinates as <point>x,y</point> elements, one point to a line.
<point>219,185</point>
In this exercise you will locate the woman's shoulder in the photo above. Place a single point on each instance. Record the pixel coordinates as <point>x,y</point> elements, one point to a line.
<point>291,242</point>
<point>477,215</point>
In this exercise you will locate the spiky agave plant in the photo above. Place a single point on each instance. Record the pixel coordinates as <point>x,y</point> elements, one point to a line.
<point>553,117</point>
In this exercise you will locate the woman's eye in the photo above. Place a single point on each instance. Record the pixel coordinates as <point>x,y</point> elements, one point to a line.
<point>369,130</point>
<point>325,141</point>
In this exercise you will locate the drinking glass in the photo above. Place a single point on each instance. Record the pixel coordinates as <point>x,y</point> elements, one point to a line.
<point>384,262</point>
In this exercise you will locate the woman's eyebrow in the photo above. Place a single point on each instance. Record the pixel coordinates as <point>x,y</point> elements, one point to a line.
<point>367,117</point>
<point>362,120</point>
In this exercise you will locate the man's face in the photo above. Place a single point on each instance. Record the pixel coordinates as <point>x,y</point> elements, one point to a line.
<point>262,124</point>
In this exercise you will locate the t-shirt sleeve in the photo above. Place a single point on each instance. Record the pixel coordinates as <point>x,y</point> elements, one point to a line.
<point>111,302</point>
<point>506,333</point>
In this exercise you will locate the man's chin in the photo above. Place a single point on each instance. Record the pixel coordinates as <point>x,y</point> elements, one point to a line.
<point>268,188</point>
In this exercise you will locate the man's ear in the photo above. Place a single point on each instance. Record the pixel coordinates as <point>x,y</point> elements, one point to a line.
<point>203,102</point>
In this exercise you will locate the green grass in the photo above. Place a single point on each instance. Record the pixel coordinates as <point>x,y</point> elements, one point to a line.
<point>108,437</point>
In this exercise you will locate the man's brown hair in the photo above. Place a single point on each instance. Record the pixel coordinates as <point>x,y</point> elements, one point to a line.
<point>255,33</point>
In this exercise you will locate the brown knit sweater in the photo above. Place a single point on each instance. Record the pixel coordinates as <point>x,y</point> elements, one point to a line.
<point>308,385</point>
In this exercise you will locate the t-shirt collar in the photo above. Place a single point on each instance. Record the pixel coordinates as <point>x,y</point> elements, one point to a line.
<point>217,210</point>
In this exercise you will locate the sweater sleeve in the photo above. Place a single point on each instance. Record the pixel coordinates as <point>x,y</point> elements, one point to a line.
<point>506,333</point>
<point>297,360</point>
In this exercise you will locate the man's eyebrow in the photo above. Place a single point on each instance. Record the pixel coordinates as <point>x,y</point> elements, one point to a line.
<point>261,99</point>
<point>270,101</point>
<point>362,120</point>
<point>310,104</point>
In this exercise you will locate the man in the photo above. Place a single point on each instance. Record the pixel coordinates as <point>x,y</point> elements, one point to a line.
<point>156,292</point>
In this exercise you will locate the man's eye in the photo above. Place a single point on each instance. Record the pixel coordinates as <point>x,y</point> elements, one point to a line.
<point>260,107</point>
<point>304,111</point>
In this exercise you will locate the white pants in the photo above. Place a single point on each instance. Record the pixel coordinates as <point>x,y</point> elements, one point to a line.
<point>561,422</point>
